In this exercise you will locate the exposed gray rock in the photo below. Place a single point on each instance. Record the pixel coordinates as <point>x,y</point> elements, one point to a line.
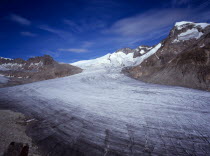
<point>141,50</point>
<point>126,50</point>
<point>13,138</point>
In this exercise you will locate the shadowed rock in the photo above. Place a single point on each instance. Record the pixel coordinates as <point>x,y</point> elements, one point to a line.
<point>17,149</point>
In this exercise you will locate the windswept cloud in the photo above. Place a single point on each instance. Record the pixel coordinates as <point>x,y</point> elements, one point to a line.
<point>75,50</point>
<point>84,25</point>
<point>155,20</point>
<point>61,33</point>
<point>73,26</point>
<point>27,33</point>
<point>50,29</point>
<point>148,22</point>
<point>87,44</point>
<point>19,19</point>
<point>83,48</point>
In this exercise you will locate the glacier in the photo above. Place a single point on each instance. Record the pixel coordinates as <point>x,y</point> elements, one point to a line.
<point>103,112</point>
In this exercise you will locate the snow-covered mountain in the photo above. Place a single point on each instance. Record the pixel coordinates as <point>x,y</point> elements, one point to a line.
<point>120,58</point>
<point>180,34</point>
<point>182,60</point>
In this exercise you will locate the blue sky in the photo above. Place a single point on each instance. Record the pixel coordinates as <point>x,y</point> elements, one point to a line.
<point>72,30</point>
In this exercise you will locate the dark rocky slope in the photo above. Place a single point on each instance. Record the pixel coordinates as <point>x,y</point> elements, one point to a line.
<point>178,62</point>
<point>21,71</point>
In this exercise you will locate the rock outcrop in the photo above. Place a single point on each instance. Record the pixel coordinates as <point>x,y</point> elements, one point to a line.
<point>182,60</point>
<point>126,50</point>
<point>139,51</point>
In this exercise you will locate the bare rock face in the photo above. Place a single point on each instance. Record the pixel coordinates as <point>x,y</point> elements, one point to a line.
<point>7,60</point>
<point>141,50</point>
<point>182,60</point>
<point>34,69</point>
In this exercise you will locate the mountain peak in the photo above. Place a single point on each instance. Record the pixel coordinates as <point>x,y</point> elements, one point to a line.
<point>5,58</point>
<point>183,24</point>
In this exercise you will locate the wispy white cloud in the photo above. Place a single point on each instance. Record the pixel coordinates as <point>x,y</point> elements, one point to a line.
<point>27,33</point>
<point>87,44</point>
<point>19,19</point>
<point>147,22</point>
<point>154,23</point>
<point>82,49</point>
<point>84,25</point>
<point>50,29</point>
<point>61,33</point>
<point>75,50</point>
<point>73,26</point>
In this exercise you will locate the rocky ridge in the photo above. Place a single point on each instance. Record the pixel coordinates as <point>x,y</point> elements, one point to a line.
<point>139,51</point>
<point>19,71</point>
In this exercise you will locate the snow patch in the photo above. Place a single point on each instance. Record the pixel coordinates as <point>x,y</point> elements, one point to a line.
<point>189,34</point>
<point>183,23</point>
<point>147,48</point>
<point>3,68</point>
<point>142,52</point>
<point>140,59</point>
<point>9,66</point>
<point>6,58</point>
<point>202,25</point>
<point>203,45</point>
<point>36,64</point>
<point>3,79</point>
